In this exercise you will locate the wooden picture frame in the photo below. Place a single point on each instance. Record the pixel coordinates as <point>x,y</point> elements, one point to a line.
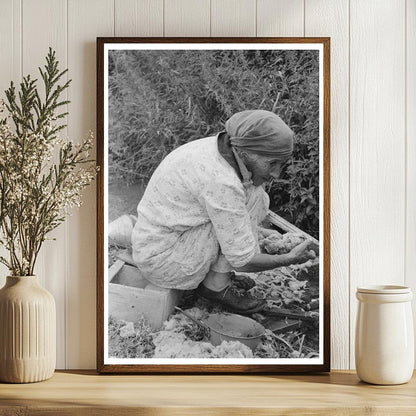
<point>107,364</point>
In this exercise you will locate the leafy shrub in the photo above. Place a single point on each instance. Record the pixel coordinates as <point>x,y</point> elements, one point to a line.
<point>159,100</point>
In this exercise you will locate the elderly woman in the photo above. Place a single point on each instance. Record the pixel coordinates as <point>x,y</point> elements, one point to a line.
<point>198,218</point>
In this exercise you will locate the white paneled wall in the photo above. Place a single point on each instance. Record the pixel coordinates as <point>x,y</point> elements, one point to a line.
<point>377,144</point>
<point>373,132</point>
<point>331,18</point>
<point>410,143</point>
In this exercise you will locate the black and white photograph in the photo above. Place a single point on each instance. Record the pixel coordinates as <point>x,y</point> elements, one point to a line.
<point>212,187</point>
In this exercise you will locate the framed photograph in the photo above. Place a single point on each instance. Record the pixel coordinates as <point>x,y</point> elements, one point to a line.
<point>213,205</point>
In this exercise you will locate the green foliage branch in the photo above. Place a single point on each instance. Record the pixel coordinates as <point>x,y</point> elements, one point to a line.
<point>42,175</point>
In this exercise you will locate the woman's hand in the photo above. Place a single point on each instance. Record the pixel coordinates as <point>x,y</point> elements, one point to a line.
<point>302,252</point>
<point>261,261</point>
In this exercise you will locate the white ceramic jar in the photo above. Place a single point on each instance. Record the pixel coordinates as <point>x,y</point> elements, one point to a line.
<point>384,342</point>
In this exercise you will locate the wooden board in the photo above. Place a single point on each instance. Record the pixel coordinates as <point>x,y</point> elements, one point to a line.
<point>51,267</point>
<point>410,230</point>
<point>138,17</point>
<point>331,18</point>
<point>285,225</point>
<point>185,18</point>
<point>10,44</point>
<point>230,18</point>
<point>279,326</point>
<point>10,68</point>
<point>131,296</point>
<point>377,147</point>
<point>86,21</point>
<point>280,18</point>
<point>85,393</point>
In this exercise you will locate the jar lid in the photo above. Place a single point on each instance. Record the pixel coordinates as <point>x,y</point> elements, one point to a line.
<point>384,289</point>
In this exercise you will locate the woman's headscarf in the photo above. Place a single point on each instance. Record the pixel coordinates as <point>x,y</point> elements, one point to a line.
<point>260,132</point>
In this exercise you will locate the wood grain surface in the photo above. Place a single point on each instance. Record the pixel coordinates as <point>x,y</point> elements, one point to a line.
<point>85,393</point>
<point>410,139</point>
<point>138,17</point>
<point>182,18</point>
<point>330,17</point>
<point>35,45</point>
<point>377,132</point>
<point>233,18</point>
<point>81,257</point>
<point>280,18</point>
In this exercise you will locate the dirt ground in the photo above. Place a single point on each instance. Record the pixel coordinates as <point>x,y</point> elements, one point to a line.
<point>123,198</point>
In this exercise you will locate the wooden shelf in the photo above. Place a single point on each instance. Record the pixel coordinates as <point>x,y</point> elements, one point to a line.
<point>86,393</point>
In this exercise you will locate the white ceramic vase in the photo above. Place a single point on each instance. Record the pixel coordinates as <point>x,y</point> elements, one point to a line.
<point>27,331</point>
<point>384,343</point>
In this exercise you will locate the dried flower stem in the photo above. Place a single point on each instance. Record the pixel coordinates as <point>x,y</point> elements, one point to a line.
<point>37,194</point>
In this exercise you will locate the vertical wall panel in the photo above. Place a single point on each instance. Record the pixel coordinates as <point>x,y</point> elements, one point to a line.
<point>10,68</point>
<point>411,151</point>
<point>330,18</point>
<point>10,44</point>
<point>187,18</point>
<point>86,21</point>
<point>233,18</point>
<point>44,26</point>
<point>138,18</point>
<point>377,140</point>
<point>280,18</point>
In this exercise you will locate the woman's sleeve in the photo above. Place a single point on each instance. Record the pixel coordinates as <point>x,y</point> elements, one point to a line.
<point>226,208</point>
